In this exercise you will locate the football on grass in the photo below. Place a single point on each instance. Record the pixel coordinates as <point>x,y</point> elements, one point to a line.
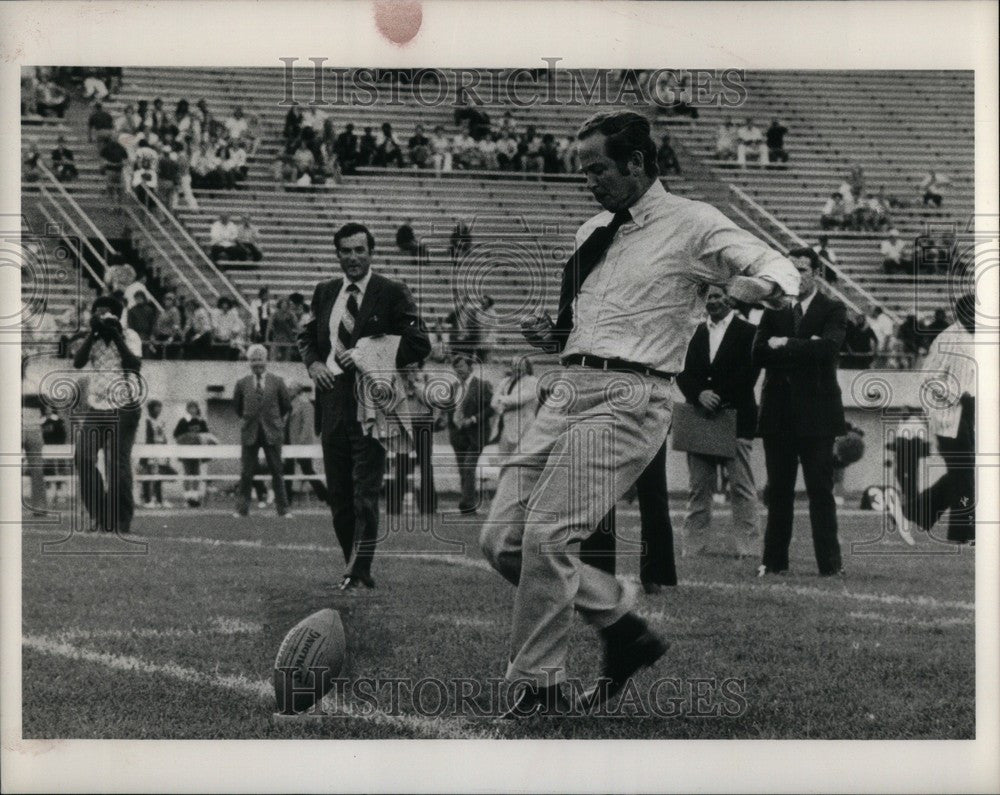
<point>310,658</point>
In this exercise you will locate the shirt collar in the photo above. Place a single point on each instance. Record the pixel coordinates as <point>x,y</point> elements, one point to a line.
<point>724,323</point>
<point>805,302</point>
<point>643,209</point>
<point>362,285</point>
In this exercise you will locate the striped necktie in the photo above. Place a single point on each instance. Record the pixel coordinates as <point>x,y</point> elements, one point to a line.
<point>346,328</point>
<point>797,316</point>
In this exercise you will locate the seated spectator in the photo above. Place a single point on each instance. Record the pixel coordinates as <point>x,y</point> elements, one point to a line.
<point>210,127</point>
<point>293,124</point>
<point>529,152</point>
<point>313,119</point>
<point>834,214</point>
<point>909,336</point>
<point>388,152</point>
<point>251,138</point>
<point>893,260</point>
<point>187,124</point>
<point>347,150</point>
<point>236,125</point>
<point>305,160</point>
<point>228,329</point>
<point>248,240</point>
<point>828,257</point>
<point>285,170</point>
<point>141,317</point>
<point>145,183</point>
<point>508,126</point>
<point>113,159</point>
<point>419,147</point>
<point>367,147</point>
<point>860,344</point>
<point>666,157</point>
<point>168,330</point>
<point>871,214</point>
<point>52,99</point>
<point>94,87</point>
<point>933,187</point>
<point>776,142</point>
<point>222,239</point>
<point>507,151</point>
<point>197,331</point>
<point>725,141</point>
<point>549,153</point>
<point>750,140</point>
<point>31,171</point>
<point>441,151</point>
<point>206,168</point>
<point>463,148</point>
<point>234,164</point>
<point>159,121</point>
<point>134,285</point>
<point>486,150</point>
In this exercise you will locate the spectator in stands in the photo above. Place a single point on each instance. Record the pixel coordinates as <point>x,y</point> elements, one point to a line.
<point>169,173</point>
<point>508,126</point>
<point>463,146</point>
<point>248,240</point>
<point>228,329</point>
<point>94,87</point>
<point>408,245</point>
<point>834,214</point>
<point>234,164</point>
<point>145,182</point>
<point>293,125</point>
<point>100,124</point>
<point>206,168</point>
<point>52,99</point>
<point>223,239</point>
<point>666,157</point>
<point>197,331</point>
<point>62,162</point>
<point>507,151</point>
<point>529,151</point>
<point>31,171</point>
<point>725,141</point>
<point>571,162</point>
<point>305,161</point>
<point>142,317</point>
<point>159,120</point>
<point>388,152</point>
<point>908,335</point>
<point>366,147</point>
<point>285,170</point>
<point>419,148</point>
<point>184,177</point>
<point>206,120</point>
<point>828,257</point>
<point>750,140</point>
<point>113,160</point>
<point>882,325</point>
<point>168,330</point>
<point>187,124</point>
<point>933,187</point>
<point>284,329</point>
<point>549,153</point>
<point>261,311</point>
<point>776,142</point>
<point>875,215</point>
<point>460,242</point>
<point>860,344</point>
<point>236,125</point>
<point>893,259</point>
<point>441,149</point>
<point>487,149</point>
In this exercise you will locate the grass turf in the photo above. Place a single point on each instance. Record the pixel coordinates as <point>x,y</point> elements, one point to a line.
<point>179,642</point>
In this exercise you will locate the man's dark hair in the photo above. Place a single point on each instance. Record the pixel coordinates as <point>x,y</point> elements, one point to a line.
<point>111,302</point>
<point>626,132</point>
<point>347,230</point>
<point>297,298</point>
<point>808,253</point>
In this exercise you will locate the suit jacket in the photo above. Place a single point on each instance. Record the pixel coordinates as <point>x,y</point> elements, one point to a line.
<point>387,308</point>
<point>731,374</point>
<point>800,393</point>
<point>266,409</point>
<point>476,403</point>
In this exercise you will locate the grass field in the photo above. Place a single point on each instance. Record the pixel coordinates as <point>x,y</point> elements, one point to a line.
<point>179,642</point>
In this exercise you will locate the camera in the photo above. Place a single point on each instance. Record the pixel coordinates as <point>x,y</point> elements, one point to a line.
<point>106,326</point>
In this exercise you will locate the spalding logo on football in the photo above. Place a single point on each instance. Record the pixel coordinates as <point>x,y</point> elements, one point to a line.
<point>310,658</point>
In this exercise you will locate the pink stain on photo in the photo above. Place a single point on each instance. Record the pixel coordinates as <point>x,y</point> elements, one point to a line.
<point>399,21</point>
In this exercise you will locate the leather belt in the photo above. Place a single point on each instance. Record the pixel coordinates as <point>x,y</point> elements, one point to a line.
<point>585,360</point>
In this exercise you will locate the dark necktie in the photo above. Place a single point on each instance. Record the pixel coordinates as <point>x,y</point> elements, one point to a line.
<point>346,328</point>
<point>579,267</point>
<point>797,317</point>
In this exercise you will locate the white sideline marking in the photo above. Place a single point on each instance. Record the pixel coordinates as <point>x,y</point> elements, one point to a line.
<point>217,626</point>
<point>475,563</point>
<point>930,623</point>
<point>438,728</point>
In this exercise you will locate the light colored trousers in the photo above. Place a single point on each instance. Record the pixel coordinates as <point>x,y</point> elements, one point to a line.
<point>589,443</point>
<point>697,523</point>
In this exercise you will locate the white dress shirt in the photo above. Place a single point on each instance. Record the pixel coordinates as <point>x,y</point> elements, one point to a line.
<point>805,302</point>
<point>339,307</point>
<point>716,331</point>
<point>643,301</point>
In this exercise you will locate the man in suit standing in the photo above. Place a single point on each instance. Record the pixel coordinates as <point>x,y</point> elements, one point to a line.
<point>261,400</point>
<point>300,429</point>
<point>344,310</point>
<point>801,414</point>
<point>469,427</point>
<point>719,374</point>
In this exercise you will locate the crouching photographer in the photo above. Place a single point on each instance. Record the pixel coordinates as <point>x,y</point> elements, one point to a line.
<point>106,423</point>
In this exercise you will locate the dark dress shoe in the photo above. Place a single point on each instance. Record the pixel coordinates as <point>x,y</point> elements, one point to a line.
<point>840,573</point>
<point>546,702</point>
<point>620,663</point>
<point>353,585</point>
<point>767,571</point>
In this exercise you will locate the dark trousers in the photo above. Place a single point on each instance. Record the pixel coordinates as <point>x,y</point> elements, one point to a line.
<point>306,465</point>
<point>248,466</point>
<point>423,457</point>
<point>656,561</point>
<point>954,491</point>
<point>111,434</point>
<point>355,467</point>
<point>152,489</point>
<point>467,457</point>
<point>782,455</point>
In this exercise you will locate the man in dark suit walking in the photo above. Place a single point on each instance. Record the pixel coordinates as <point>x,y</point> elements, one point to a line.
<point>719,374</point>
<point>344,310</point>
<point>262,402</point>
<point>469,427</point>
<point>801,414</point>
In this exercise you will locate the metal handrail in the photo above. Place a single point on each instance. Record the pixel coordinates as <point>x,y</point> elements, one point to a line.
<point>79,210</point>
<point>83,262</point>
<point>798,241</point>
<point>205,260</point>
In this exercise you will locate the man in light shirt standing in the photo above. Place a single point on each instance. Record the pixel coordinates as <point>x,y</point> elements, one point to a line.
<point>222,239</point>
<point>630,297</point>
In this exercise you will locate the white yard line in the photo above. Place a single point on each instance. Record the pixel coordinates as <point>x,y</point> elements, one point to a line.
<point>216,626</point>
<point>434,728</point>
<point>928,623</point>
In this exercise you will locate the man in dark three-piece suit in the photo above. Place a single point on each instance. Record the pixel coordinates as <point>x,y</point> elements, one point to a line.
<point>719,374</point>
<point>344,310</point>
<point>801,414</point>
<point>262,402</point>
